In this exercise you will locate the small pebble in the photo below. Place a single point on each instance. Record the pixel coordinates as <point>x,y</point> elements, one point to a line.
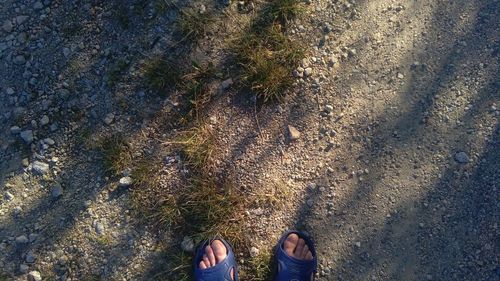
<point>109,118</point>
<point>187,244</point>
<point>22,239</point>
<point>227,83</point>
<point>125,181</point>
<point>308,72</point>
<point>30,257</point>
<point>27,136</point>
<point>34,276</point>
<point>461,157</point>
<point>57,191</point>
<point>293,133</point>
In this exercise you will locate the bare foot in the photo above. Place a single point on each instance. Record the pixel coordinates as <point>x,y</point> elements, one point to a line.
<point>215,253</point>
<point>296,247</point>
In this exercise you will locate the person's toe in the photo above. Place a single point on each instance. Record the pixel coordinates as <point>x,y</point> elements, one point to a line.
<point>206,261</point>
<point>298,249</point>
<point>210,254</point>
<point>290,243</point>
<point>202,265</point>
<point>305,250</point>
<point>219,250</point>
<point>309,256</point>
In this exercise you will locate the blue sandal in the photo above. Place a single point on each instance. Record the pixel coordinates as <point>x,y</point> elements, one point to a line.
<point>290,268</point>
<point>219,272</point>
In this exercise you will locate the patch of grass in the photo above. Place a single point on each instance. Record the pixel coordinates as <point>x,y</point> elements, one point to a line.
<point>84,137</point>
<point>116,154</point>
<point>209,209</point>
<point>268,58</point>
<point>198,93</point>
<point>283,10</point>
<point>161,6</point>
<point>122,15</point>
<point>116,71</point>
<point>261,267</point>
<point>150,198</point>
<point>161,73</point>
<point>92,277</point>
<point>192,24</point>
<point>197,146</point>
<point>266,54</point>
<point>179,266</point>
<point>104,240</point>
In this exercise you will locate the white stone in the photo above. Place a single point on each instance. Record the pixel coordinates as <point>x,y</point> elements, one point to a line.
<point>40,167</point>
<point>125,181</point>
<point>34,276</point>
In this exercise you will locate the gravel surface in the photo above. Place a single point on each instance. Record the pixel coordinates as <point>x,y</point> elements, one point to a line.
<point>387,145</point>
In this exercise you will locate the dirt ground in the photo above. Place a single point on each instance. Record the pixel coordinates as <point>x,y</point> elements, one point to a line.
<point>395,172</point>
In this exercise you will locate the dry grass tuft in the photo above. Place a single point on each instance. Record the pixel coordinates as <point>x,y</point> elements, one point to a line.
<point>266,54</point>
<point>198,92</point>
<point>161,73</point>
<point>261,267</point>
<point>197,146</point>
<point>116,154</point>
<point>192,24</point>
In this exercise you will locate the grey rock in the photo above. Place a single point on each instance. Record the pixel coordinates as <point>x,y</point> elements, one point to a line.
<point>461,157</point>
<point>45,120</point>
<point>15,130</point>
<point>22,239</point>
<point>23,268</point>
<point>310,203</point>
<point>328,108</point>
<point>109,118</point>
<point>34,276</point>
<point>40,167</point>
<point>27,136</point>
<point>19,60</point>
<point>308,72</point>
<point>32,237</point>
<point>187,244</point>
<point>38,5</point>
<point>227,83</point>
<point>254,251</point>
<point>66,52</point>
<point>125,181</point>
<point>99,228</point>
<point>30,257</point>
<point>57,191</point>
<point>17,210</point>
<point>293,133</point>
<point>21,19</point>
<point>49,141</point>
<point>7,26</point>
<point>10,91</point>
<point>8,196</point>
<point>297,74</point>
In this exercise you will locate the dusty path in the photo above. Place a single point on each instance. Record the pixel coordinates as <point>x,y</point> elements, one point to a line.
<point>395,173</point>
